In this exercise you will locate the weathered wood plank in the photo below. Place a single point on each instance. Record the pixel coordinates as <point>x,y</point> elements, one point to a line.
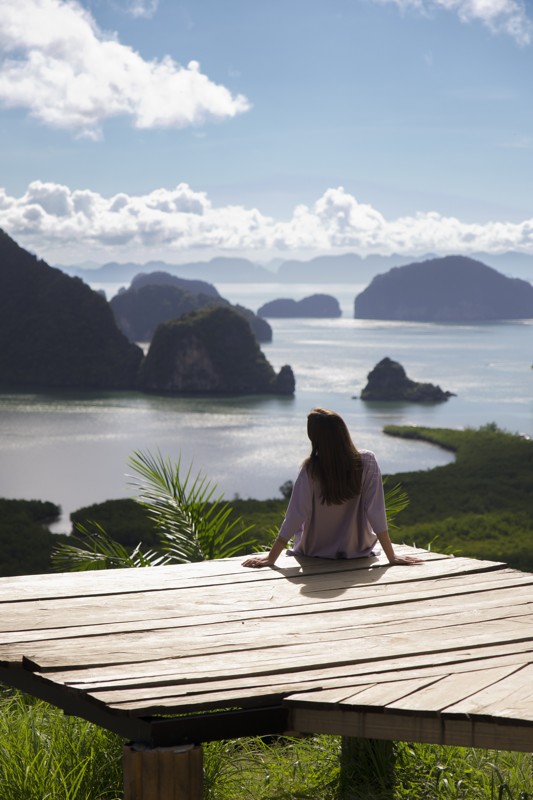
<point>197,695</point>
<point>453,689</point>
<point>74,611</point>
<point>511,697</point>
<point>128,693</point>
<point>436,611</point>
<point>166,670</point>
<point>363,634</point>
<point>209,573</point>
<point>352,646</point>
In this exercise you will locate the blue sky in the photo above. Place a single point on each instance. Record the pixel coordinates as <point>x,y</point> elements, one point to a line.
<point>146,129</point>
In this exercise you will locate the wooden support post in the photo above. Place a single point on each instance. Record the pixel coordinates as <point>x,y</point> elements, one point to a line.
<point>163,773</point>
<point>367,769</point>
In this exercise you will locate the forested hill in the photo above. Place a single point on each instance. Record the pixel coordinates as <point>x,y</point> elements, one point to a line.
<point>55,331</point>
<point>449,289</point>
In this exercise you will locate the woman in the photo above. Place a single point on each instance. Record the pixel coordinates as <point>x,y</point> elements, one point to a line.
<point>337,507</point>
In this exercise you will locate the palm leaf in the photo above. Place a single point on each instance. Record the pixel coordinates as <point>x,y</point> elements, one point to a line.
<point>191,523</point>
<point>396,499</point>
<point>95,549</point>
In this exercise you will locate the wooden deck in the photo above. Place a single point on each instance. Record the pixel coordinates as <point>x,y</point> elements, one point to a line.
<point>439,652</point>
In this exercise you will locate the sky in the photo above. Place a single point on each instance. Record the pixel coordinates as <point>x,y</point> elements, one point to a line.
<point>137,130</point>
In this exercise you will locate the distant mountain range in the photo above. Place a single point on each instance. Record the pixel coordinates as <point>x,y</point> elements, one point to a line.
<point>347,268</point>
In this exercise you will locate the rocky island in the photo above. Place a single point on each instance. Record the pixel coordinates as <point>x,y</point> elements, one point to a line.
<point>158,297</point>
<point>388,381</point>
<point>317,306</point>
<point>450,289</point>
<point>58,333</point>
<point>212,351</point>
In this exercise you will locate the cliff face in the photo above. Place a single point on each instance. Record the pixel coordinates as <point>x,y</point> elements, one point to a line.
<point>160,297</point>
<point>316,306</point>
<point>451,289</point>
<point>210,351</point>
<point>55,331</point>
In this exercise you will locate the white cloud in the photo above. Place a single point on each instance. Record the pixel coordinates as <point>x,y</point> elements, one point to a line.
<point>142,8</point>
<point>71,75</point>
<point>61,224</point>
<point>500,16</point>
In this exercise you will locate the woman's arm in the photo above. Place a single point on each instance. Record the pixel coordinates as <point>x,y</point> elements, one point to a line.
<point>388,549</point>
<point>268,560</point>
<point>298,511</point>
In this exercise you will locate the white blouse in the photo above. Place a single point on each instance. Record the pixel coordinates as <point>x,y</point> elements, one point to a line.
<point>346,530</point>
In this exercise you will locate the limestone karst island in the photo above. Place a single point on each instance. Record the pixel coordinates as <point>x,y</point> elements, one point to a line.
<point>63,335</point>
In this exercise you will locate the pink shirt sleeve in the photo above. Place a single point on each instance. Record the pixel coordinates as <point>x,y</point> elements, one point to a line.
<point>299,508</point>
<point>372,494</point>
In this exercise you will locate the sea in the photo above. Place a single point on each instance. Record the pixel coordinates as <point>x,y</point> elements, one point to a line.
<point>74,448</point>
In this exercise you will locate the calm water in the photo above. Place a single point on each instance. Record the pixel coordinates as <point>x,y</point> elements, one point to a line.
<point>73,449</point>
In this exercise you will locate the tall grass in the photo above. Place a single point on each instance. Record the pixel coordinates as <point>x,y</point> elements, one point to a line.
<point>45,755</point>
<point>279,769</point>
<point>428,772</point>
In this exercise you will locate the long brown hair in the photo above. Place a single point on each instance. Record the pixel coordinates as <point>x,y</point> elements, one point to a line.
<point>334,460</point>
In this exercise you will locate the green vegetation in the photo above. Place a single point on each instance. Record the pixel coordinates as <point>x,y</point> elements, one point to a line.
<point>26,543</point>
<point>189,524</point>
<point>45,755</point>
<point>479,506</point>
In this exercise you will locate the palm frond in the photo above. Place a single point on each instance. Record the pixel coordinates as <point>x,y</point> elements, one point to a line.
<point>396,499</point>
<point>95,549</point>
<point>192,524</point>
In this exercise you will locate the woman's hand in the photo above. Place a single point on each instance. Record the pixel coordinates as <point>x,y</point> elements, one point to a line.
<point>405,560</point>
<point>258,561</point>
<point>270,559</point>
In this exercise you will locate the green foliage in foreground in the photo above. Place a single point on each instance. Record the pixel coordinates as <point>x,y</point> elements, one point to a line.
<point>189,523</point>
<point>45,755</point>
<point>479,506</point>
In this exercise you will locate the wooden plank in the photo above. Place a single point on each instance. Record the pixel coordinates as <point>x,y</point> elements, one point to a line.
<point>227,666</point>
<point>209,573</point>
<point>165,671</point>
<point>145,693</point>
<point>377,695</point>
<point>348,642</point>
<point>453,689</point>
<point>66,612</point>
<point>353,645</point>
<point>512,697</point>
<point>444,605</point>
<point>435,612</point>
<point>197,696</point>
